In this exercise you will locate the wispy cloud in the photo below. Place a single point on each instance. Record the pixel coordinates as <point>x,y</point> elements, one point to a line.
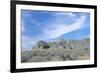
<point>68,14</point>
<point>28,42</point>
<point>58,25</point>
<point>34,21</point>
<point>58,30</point>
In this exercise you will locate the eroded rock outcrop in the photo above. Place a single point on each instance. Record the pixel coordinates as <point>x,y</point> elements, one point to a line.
<point>60,50</point>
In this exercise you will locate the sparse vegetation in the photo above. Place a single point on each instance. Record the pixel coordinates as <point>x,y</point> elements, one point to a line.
<point>60,50</point>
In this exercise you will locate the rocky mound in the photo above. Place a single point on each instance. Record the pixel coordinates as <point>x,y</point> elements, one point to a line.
<point>67,44</point>
<point>60,50</point>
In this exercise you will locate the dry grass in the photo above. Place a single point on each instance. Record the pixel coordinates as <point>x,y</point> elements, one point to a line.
<point>52,54</point>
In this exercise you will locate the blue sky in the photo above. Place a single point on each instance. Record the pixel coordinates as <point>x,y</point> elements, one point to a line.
<point>51,25</point>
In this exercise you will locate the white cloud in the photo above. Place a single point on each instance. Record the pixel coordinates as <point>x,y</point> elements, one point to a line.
<point>66,13</point>
<point>58,30</point>
<point>52,31</point>
<point>27,42</point>
<point>34,21</point>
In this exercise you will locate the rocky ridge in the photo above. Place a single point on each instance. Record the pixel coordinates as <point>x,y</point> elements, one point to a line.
<point>59,50</point>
